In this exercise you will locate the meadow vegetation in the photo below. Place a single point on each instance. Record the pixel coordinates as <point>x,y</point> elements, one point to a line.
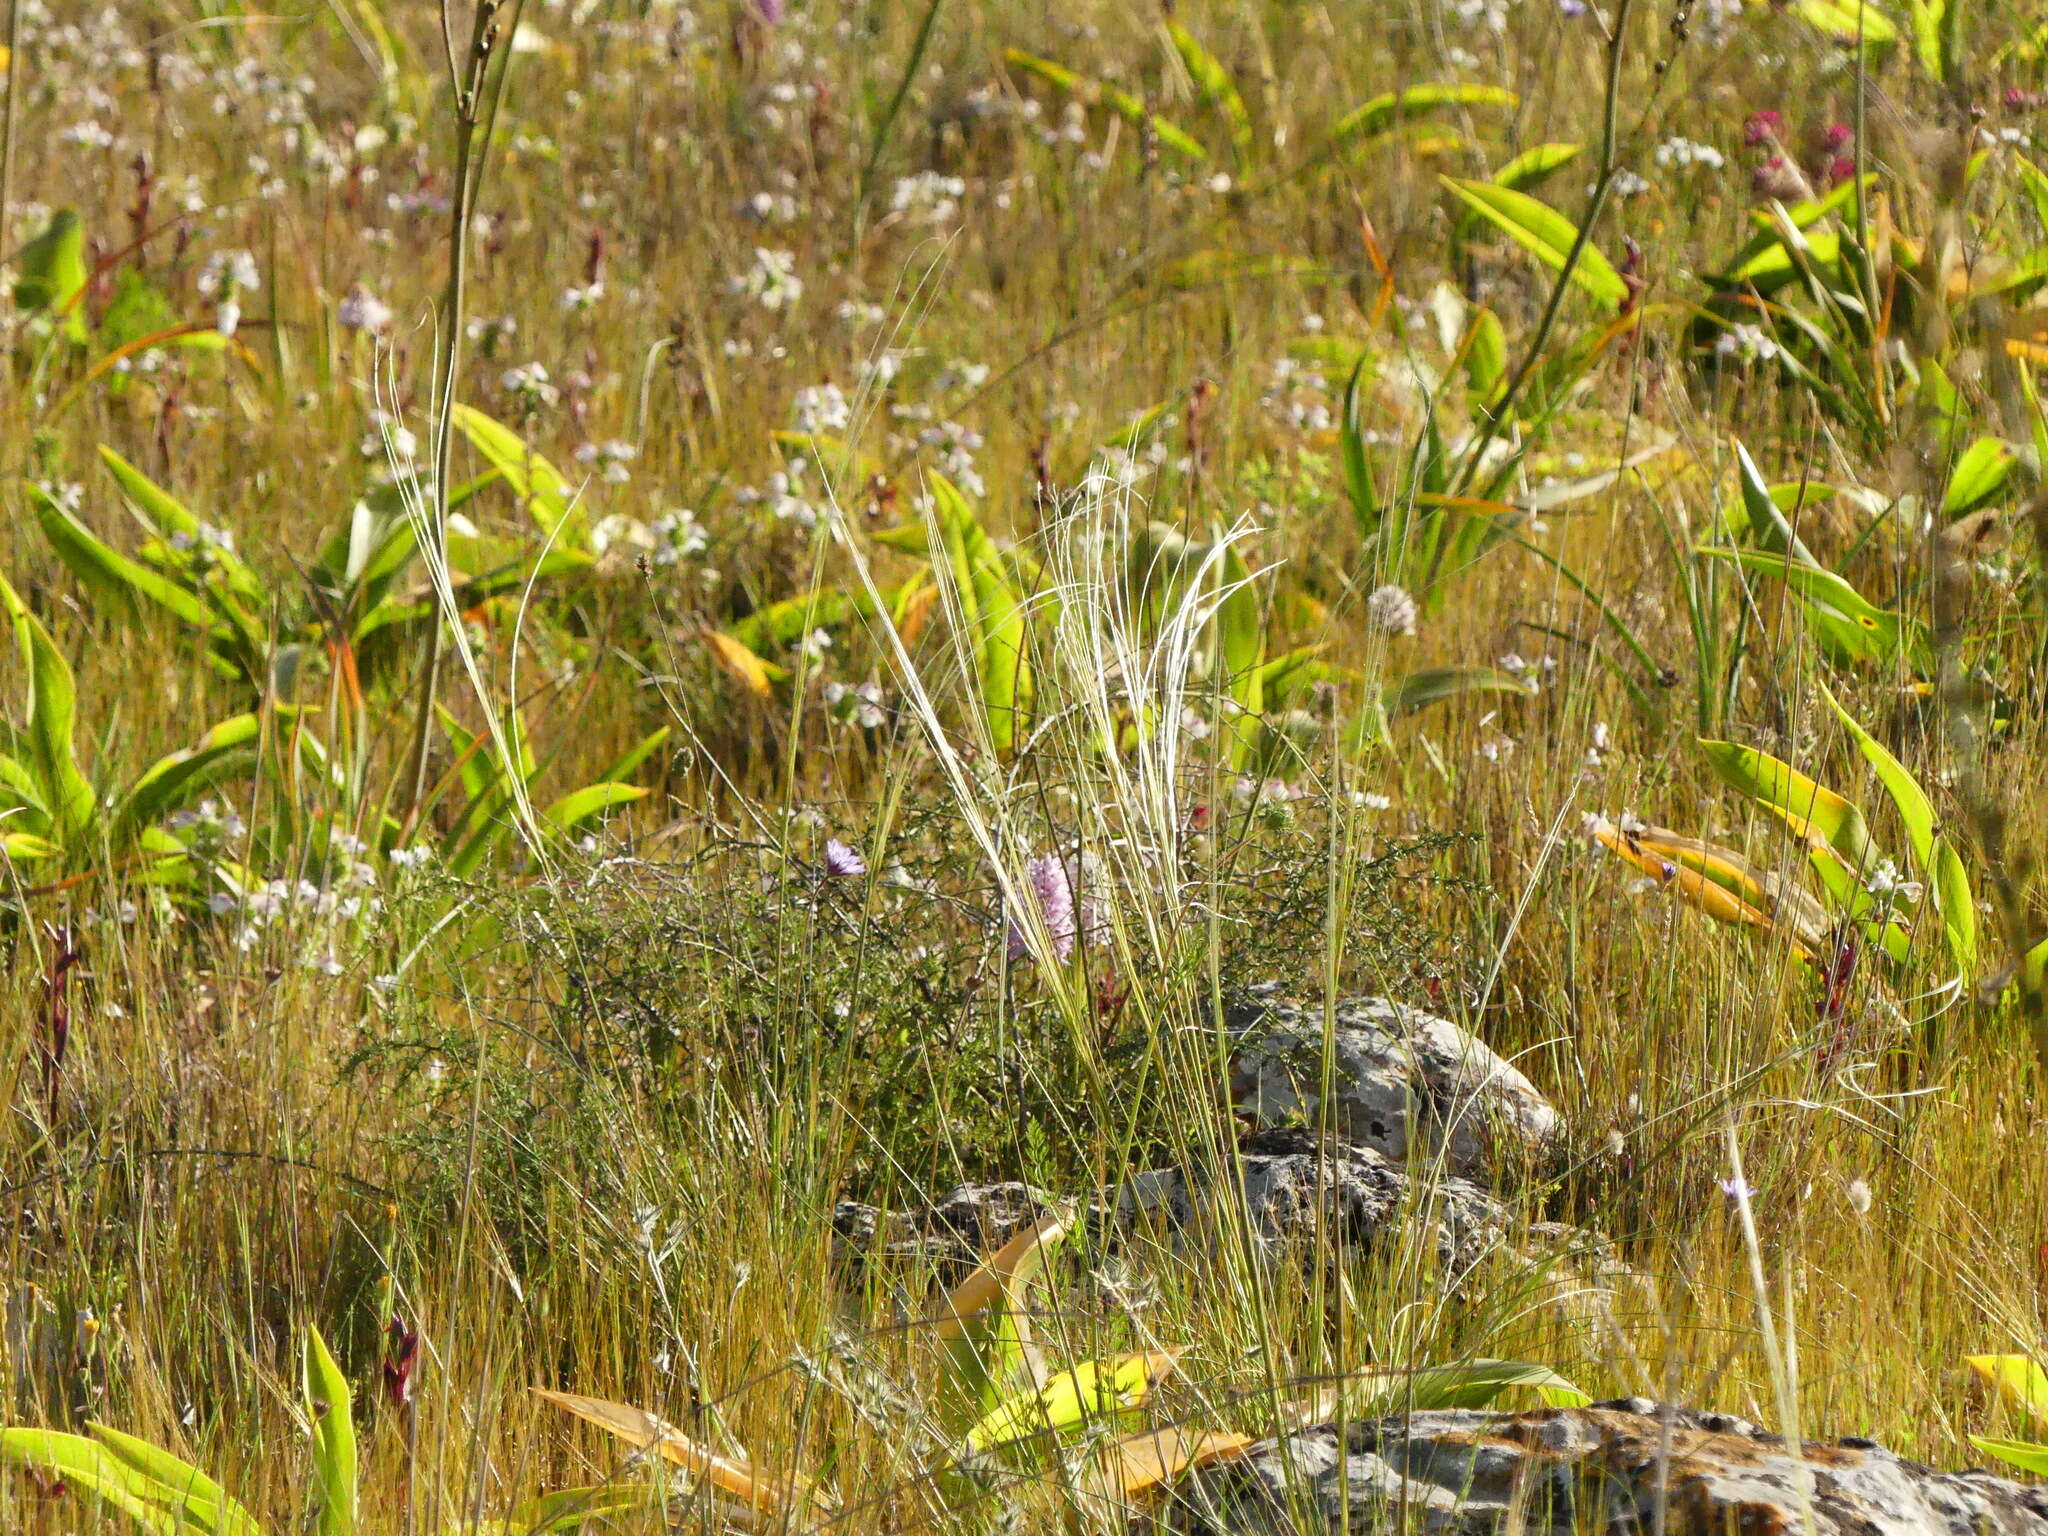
<point>633,618</point>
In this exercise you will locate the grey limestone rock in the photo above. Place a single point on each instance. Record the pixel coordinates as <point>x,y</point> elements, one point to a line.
<point>1404,1083</point>
<point>1624,1467</point>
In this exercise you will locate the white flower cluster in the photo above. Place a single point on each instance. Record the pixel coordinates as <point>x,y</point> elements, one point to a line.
<point>928,196</point>
<point>226,276</point>
<point>822,408</point>
<point>610,458</point>
<point>771,281</point>
<point>1682,154</point>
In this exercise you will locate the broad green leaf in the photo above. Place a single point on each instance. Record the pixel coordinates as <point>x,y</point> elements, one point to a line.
<point>172,780</point>
<point>1849,21</point>
<point>51,274</point>
<point>1767,524</point>
<point>1098,93</point>
<point>1915,809</point>
<point>1534,166</point>
<point>540,487</point>
<point>329,1407</point>
<point>995,614</point>
<point>1819,816</point>
<point>1925,17</point>
<point>1214,85</point>
<point>49,710</point>
<point>1948,883</point>
<point>164,516</point>
<point>27,848</point>
<point>1871,633</point>
<point>2034,966</point>
<point>2025,1455</point>
<point>2036,183</point>
<point>108,573</point>
<point>90,1467</point>
<point>1433,685</point>
<point>204,1501</point>
<point>1544,233</point>
<point>1382,112</point>
<point>1486,356</point>
<point>163,512</point>
<point>1071,1399</point>
<point>1980,474</point>
<point>2018,1380</point>
<point>1366,510</point>
<point>572,810</point>
<point>630,761</point>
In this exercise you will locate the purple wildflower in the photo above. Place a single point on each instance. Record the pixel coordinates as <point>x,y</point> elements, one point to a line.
<point>1737,1190</point>
<point>841,862</point>
<point>770,11</point>
<point>1054,890</point>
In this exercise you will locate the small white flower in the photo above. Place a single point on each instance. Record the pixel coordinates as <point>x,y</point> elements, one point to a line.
<point>772,281</point>
<point>822,408</point>
<point>530,385</point>
<point>362,310</point>
<point>1390,611</point>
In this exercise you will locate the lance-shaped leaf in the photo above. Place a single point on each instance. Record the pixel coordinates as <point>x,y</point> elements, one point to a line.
<point>1466,1384</point>
<point>1146,1463</point>
<point>1544,233</point>
<point>1382,112</point>
<point>1434,685</point>
<point>330,1410</point>
<point>579,806</point>
<point>2026,1455</point>
<point>1716,881</point>
<point>733,1475</point>
<point>754,673</point>
<point>172,780</point>
<point>1534,166</point>
<point>1915,809</point>
<point>51,274</point>
<point>2018,1380</point>
<point>541,488</point>
<point>1213,85</point>
<point>203,1501</point>
<point>985,1325</point>
<point>1866,630</point>
<point>1849,21</point>
<point>108,574</point>
<point>1072,1398</point>
<point>1819,816</point>
<point>1099,93</point>
<point>1979,475</point>
<point>167,519</point>
<point>50,710</point>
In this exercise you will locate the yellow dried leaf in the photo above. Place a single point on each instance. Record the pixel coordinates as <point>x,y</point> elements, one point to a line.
<point>2016,1378</point>
<point>1146,1461</point>
<point>732,1475</point>
<point>743,664</point>
<point>995,1274</point>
